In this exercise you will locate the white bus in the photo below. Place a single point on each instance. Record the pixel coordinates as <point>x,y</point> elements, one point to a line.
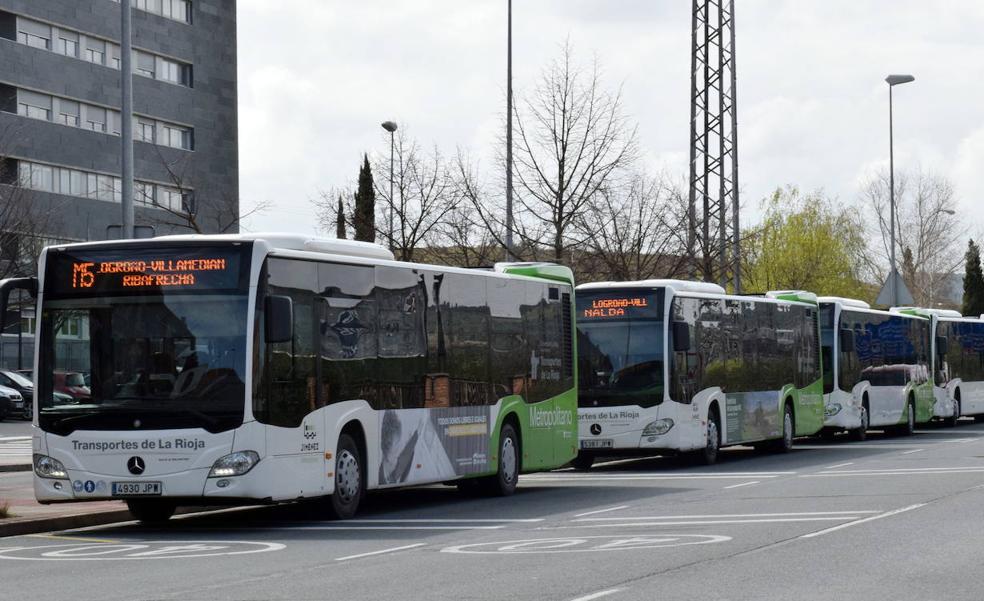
<point>876,368</point>
<point>668,365</point>
<point>267,368</point>
<point>958,364</point>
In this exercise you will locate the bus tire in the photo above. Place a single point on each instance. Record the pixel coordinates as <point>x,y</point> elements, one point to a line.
<point>583,461</point>
<point>350,479</point>
<point>785,443</point>
<point>504,482</point>
<point>978,419</point>
<point>712,444</point>
<point>150,511</point>
<point>952,420</point>
<point>860,433</point>
<point>909,427</point>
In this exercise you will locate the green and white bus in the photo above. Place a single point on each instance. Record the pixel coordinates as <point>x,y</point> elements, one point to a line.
<point>876,368</point>
<point>669,365</point>
<point>269,368</point>
<point>957,364</point>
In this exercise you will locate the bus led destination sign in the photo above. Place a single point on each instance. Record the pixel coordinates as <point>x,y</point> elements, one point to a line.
<point>614,307</point>
<point>153,272</point>
<point>85,272</point>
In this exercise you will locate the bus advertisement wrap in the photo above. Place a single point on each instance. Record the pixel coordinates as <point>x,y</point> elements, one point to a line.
<point>428,445</point>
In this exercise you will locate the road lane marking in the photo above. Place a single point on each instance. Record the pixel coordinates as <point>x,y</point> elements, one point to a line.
<point>913,471</point>
<point>742,484</point>
<point>445,521</point>
<point>598,595</point>
<point>913,451</point>
<point>581,515</point>
<point>7,438</point>
<point>863,520</point>
<point>636,524</point>
<point>629,478</point>
<point>830,467</point>
<point>79,538</point>
<point>292,528</point>
<point>731,515</point>
<point>380,552</point>
<point>587,544</point>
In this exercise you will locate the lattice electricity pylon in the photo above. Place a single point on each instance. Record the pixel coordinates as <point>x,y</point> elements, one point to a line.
<point>714,239</point>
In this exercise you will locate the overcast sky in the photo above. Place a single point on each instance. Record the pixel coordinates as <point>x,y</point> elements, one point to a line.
<point>316,78</point>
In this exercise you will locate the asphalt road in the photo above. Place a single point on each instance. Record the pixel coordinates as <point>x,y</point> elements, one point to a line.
<point>890,518</point>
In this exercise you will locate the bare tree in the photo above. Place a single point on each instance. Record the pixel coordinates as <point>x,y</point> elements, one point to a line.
<point>635,230</point>
<point>928,229</point>
<point>573,142</point>
<point>202,210</point>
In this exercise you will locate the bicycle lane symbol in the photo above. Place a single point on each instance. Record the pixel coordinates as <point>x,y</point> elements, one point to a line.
<point>587,544</point>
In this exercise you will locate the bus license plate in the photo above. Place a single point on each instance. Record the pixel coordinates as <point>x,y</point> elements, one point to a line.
<point>601,443</point>
<point>133,489</point>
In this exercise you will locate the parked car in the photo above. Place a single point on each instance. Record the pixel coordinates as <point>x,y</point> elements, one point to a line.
<point>72,383</point>
<point>20,383</point>
<point>11,403</point>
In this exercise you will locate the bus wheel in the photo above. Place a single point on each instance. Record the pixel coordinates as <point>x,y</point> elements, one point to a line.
<point>952,420</point>
<point>583,461</point>
<point>504,482</point>
<point>978,419</point>
<point>349,481</point>
<point>150,511</point>
<point>909,427</point>
<point>709,454</point>
<point>785,444</point>
<point>861,433</point>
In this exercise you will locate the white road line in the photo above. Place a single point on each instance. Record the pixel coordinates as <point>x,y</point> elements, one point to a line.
<point>383,528</point>
<point>380,552</point>
<point>854,445</point>
<point>584,478</point>
<point>830,467</point>
<point>637,524</point>
<point>742,484</point>
<point>676,474</point>
<point>889,473</point>
<point>863,520</point>
<point>731,515</point>
<point>598,595</point>
<point>445,521</point>
<point>913,451</point>
<point>580,515</point>
<point>6,438</point>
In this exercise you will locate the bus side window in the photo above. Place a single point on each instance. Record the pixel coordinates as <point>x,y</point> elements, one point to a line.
<point>347,333</point>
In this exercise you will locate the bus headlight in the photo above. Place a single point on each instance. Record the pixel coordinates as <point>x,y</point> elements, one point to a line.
<point>658,427</point>
<point>832,409</point>
<point>234,464</point>
<point>49,467</point>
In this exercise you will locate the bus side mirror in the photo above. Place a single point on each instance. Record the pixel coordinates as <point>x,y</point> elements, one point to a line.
<point>9,285</point>
<point>279,318</point>
<point>942,345</point>
<point>681,337</point>
<point>846,341</point>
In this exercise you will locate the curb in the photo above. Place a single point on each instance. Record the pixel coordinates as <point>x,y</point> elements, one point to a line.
<point>20,526</point>
<point>15,467</point>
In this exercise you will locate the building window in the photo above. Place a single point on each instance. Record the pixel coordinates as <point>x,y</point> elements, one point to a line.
<point>32,33</point>
<point>33,105</point>
<point>143,130</point>
<point>95,118</point>
<point>170,198</point>
<point>68,44</point>
<point>175,137</point>
<point>114,56</point>
<point>179,10</point>
<point>170,71</point>
<point>143,64</point>
<point>68,112</point>
<point>143,193</point>
<point>95,51</point>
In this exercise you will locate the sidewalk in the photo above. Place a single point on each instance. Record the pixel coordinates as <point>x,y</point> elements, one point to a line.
<point>28,516</point>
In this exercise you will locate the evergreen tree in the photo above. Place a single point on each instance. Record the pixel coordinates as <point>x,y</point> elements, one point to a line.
<point>365,205</point>
<point>908,268</point>
<point>973,296</point>
<point>340,220</point>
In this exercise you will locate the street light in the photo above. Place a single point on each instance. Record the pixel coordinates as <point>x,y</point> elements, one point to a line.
<point>390,126</point>
<point>509,144</point>
<point>892,81</point>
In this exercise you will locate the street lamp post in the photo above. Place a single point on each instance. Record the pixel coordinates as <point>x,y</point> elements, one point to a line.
<point>892,81</point>
<point>509,161</point>
<point>390,126</point>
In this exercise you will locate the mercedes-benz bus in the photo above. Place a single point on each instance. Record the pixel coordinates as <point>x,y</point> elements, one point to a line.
<point>876,368</point>
<point>669,365</point>
<point>957,364</point>
<point>244,369</point>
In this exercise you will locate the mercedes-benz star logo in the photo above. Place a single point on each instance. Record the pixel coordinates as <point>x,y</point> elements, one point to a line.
<point>136,465</point>
<point>596,429</point>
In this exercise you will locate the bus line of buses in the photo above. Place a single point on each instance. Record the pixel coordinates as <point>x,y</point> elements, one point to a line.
<point>267,368</point>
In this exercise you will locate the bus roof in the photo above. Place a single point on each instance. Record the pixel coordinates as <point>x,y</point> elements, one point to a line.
<point>547,271</point>
<point>801,296</point>
<point>922,312</point>
<point>847,302</point>
<point>676,285</point>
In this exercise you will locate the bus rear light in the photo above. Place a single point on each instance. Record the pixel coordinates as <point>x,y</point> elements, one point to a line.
<point>49,467</point>
<point>234,464</point>
<point>658,427</point>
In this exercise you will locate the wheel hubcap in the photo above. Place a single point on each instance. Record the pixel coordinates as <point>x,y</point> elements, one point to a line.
<point>787,425</point>
<point>508,459</point>
<point>712,437</point>
<point>347,477</point>
<point>912,418</point>
<point>864,418</point>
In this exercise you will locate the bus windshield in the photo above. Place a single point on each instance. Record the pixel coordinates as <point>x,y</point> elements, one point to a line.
<point>143,336</point>
<point>620,348</point>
